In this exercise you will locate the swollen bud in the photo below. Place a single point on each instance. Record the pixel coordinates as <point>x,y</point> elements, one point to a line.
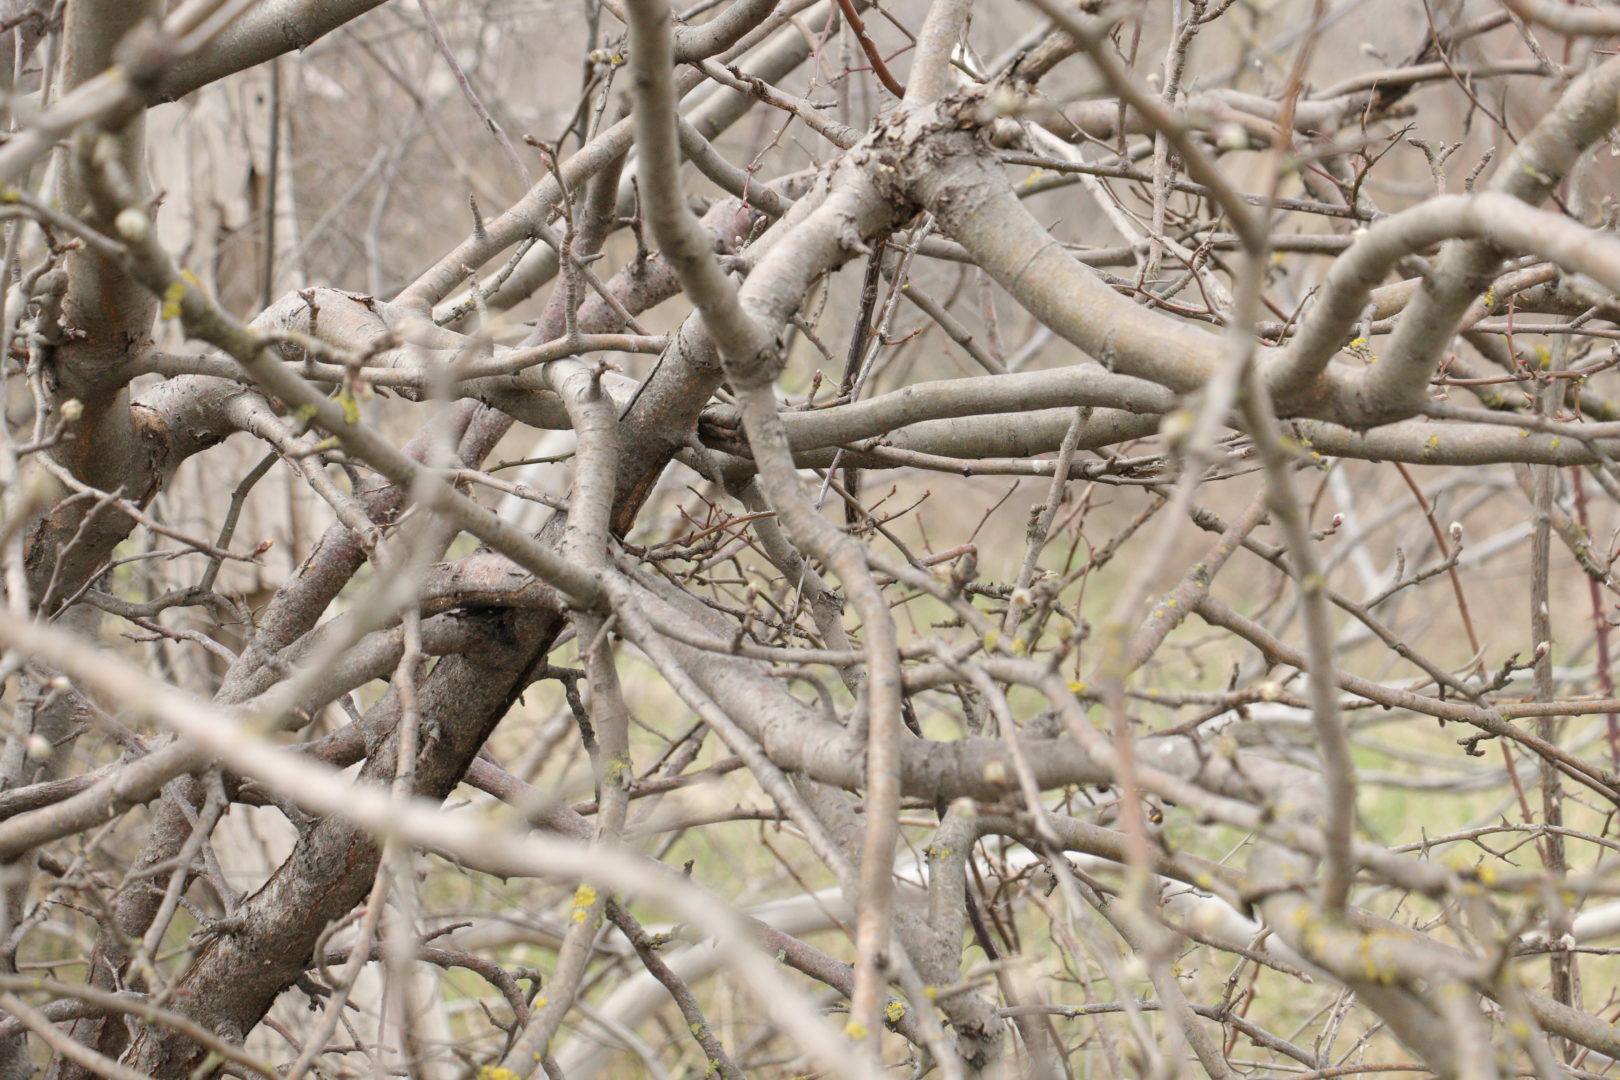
<point>1232,137</point>
<point>133,225</point>
<point>1177,425</point>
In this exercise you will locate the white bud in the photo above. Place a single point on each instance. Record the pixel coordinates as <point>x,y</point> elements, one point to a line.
<point>72,409</point>
<point>1133,969</point>
<point>1543,648</point>
<point>1270,691</point>
<point>1177,425</point>
<point>39,747</point>
<point>60,684</point>
<point>1456,532</point>
<point>1338,519</point>
<point>1005,101</point>
<point>1232,137</point>
<point>133,225</point>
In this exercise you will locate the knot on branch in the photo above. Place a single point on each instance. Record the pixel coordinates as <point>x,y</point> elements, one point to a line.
<point>147,54</point>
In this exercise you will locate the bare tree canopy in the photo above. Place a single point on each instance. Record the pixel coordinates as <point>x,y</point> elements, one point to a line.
<point>782,538</point>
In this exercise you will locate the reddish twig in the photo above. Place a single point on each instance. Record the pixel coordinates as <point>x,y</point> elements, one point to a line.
<point>868,46</point>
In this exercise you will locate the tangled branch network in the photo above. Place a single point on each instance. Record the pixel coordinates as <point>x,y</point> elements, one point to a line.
<point>806,537</point>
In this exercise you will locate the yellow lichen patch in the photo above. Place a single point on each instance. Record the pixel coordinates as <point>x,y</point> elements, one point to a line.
<point>856,1030</point>
<point>894,1011</point>
<point>497,1072</point>
<point>1458,860</point>
<point>1369,962</point>
<point>172,296</point>
<point>584,897</point>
